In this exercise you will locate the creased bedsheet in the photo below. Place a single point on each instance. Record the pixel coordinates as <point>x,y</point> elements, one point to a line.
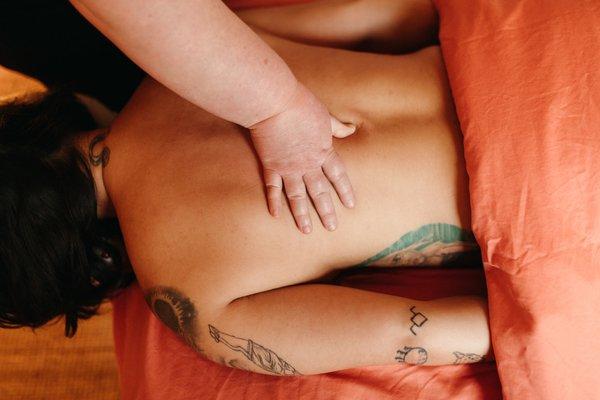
<point>525,77</point>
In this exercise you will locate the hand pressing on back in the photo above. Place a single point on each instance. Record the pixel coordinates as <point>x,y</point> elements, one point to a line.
<point>295,148</point>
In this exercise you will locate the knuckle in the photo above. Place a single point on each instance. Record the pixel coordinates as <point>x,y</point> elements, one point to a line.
<point>328,216</point>
<point>296,196</point>
<point>321,194</point>
<point>317,187</point>
<point>338,176</point>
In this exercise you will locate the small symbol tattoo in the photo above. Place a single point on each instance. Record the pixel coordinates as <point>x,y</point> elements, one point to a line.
<point>412,355</point>
<point>101,158</point>
<point>418,320</point>
<point>467,358</point>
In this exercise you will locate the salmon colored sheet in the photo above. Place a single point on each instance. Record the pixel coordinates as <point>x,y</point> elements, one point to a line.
<point>525,77</point>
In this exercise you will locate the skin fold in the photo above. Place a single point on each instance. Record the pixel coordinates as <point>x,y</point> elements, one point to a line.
<point>233,283</point>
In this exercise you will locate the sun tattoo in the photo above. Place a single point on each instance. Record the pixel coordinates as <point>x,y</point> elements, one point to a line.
<point>176,311</point>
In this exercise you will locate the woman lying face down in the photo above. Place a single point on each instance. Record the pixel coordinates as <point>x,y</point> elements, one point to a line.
<point>240,287</point>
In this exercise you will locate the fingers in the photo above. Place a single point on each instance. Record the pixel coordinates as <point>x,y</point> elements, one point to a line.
<point>318,188</point>
<point>341,130</point>
<point>316,182</point>
<point>274,186</point>
<point>296,194</point>
<point>336,173</point>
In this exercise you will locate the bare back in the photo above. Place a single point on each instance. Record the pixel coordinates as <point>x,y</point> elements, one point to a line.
<point>187,190</point>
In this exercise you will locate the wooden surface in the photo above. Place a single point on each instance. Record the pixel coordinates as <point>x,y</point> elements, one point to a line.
<point>45,364</point>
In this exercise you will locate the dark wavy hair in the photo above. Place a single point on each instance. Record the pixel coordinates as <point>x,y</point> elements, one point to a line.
<point>56,257</point>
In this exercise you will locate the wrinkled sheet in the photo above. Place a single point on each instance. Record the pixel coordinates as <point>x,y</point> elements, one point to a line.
<point>525,77</point>
<point>154,364</point>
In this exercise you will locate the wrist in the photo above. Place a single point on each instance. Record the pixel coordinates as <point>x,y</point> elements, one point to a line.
<point>290,101</point>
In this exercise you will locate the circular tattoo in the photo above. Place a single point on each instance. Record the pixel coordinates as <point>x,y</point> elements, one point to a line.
<point>412,355</point>
<point>176,311</point>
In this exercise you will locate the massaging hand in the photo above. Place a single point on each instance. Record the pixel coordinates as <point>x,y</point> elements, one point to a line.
<point>295,147</point>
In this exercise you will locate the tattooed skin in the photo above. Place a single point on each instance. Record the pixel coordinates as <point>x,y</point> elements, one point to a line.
<point>467,358</point>
<point>103,156</point>
<point>412,355</point>
<point>260,356</point>
<point>176,311</point>
<point>430,245</point>
<point>418,319</point>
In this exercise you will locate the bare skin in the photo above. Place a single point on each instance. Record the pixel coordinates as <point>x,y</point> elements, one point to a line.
<point>389,26</point>
<point>201,50</point>
<point>233,282</point>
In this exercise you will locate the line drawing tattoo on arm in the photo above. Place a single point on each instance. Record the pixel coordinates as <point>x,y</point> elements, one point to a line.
<point>418,319</point>
<point>467,358</point>
<point>412,355</point>
<point>260,356</point>
<point>430,245</point>
<point>103,157</point>
<point>176,311</point>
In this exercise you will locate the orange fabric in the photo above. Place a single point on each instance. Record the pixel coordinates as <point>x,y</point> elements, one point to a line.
<point>525,76</point>
<point>155,365</point>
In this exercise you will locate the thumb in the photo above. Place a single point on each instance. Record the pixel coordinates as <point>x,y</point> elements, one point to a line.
<point>341,130</point>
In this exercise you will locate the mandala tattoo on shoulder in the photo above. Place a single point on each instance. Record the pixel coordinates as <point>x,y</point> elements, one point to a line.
<point>176,311</point>
<point>260,356</point>
<point>412,355</point>
<point>418,319</point>
<point>467,358</point>
<point>99,158</point>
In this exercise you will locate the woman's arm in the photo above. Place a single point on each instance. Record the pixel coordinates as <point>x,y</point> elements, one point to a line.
<point>203,52</point>
<point>311,329</point>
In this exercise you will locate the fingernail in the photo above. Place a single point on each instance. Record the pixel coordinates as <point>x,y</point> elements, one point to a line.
<point>329,222</point>
<point>306,229</point>
<point>350,203</point>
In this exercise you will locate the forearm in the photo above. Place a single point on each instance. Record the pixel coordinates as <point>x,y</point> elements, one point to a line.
<point>312,329</point>
<point>201,51</point>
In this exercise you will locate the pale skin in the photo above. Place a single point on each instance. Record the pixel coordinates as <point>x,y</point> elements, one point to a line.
<point>202,51</point>
<point>245,292</point>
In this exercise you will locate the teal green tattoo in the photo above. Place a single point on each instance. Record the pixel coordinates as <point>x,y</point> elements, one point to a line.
<point>430,245</point>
